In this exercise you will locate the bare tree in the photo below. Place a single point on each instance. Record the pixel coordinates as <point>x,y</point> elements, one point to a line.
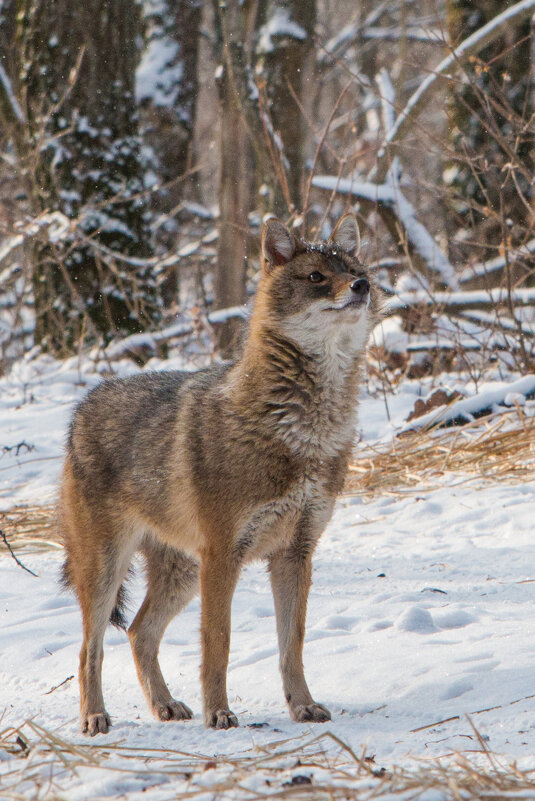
<point>235,24</point>
<point>284,72</point>
<point>489,119</point>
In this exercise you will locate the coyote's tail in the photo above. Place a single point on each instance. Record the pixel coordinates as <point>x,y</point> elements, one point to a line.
<point>117,616</point>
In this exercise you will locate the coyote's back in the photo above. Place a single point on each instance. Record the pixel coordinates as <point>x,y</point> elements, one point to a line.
<point>204,471</point>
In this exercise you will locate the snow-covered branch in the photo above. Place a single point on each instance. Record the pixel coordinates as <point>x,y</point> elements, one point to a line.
<point>498,263</point>
<point>389,194</point>
<point>388,98</point>
<point>457,301</point>
<point>8,100</point>
<point>413,32</point>
<point>151,341</point>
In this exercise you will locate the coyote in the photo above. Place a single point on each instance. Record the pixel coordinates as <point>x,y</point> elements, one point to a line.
<point>204,471</point>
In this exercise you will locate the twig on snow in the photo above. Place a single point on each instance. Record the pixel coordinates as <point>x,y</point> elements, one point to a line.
<point>12,552</point>
<point>69,678</point>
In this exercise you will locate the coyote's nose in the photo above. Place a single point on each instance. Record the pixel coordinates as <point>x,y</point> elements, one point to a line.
<point>360,287</point>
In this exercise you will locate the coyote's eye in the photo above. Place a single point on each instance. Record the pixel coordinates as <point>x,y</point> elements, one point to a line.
<point>316,277</point>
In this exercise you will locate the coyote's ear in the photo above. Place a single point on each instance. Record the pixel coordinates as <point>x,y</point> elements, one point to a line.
<point>346,234</point>
<point>278,244</point>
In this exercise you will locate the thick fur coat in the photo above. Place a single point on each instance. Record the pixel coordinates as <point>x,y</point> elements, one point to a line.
<point>204,471</point>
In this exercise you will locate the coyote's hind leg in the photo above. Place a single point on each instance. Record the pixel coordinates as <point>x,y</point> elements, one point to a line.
<point>173,580</point>
<point>97,588</point>
<point>98,549</point>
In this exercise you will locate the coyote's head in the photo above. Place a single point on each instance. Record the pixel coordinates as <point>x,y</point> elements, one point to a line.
<point>318,293</point>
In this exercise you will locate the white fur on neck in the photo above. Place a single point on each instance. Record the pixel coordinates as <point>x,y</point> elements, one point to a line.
<point>336,342</point>
<point>335,336</point>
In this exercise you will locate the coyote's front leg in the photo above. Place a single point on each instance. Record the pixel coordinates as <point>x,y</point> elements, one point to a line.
<point>219,574</point>
<point>291,572</point>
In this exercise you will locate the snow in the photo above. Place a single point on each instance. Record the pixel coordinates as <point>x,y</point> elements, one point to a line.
<point>389,334</point>
<point>159,73</point>
<point>278,25</point>
<point>421,612</point>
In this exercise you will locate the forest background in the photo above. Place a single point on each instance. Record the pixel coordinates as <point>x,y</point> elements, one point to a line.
<point>141,144</point>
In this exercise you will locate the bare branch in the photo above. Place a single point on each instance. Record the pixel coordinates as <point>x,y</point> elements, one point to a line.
<point>12,552</point>
<point>419,99</point>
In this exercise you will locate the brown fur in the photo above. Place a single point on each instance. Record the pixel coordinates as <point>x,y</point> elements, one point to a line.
<point>205,471</point>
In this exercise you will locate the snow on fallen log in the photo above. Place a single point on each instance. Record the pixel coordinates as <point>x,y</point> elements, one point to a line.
<point>468,409</point>
<point>463,300</point>
<point>390,194</point>
<point>492,321</point>
<point>498,263</point>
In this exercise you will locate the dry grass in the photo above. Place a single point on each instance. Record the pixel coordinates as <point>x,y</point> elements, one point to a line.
<point>498,448</point>
<point>30,528</point>
<point>36,763</point>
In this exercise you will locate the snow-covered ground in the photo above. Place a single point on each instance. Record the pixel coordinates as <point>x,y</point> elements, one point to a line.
<point>421,612</point>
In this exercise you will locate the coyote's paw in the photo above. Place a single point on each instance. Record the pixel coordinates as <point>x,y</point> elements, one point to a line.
<point>222,719</point>
<point>174,710</point>
<point>97,723</point>
<point>309,713</point>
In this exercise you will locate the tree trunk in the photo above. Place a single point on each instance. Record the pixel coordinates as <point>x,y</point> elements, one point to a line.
<point>87,164</point>
<point>234,24</point>
<point>284,71</point>
<point>166,91</point>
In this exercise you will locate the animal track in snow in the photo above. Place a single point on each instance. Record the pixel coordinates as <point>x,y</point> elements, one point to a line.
<point>336,622</point>
<point>380,625</point>
<point>457,688</point>
<point>453,619</point>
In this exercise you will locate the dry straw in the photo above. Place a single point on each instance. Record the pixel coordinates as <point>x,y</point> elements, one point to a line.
<point>30,528</point>
<point>36,763</point>
<point>496,447</point>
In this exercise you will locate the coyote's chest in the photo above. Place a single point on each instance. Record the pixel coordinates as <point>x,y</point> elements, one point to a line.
<point>302,511</point>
